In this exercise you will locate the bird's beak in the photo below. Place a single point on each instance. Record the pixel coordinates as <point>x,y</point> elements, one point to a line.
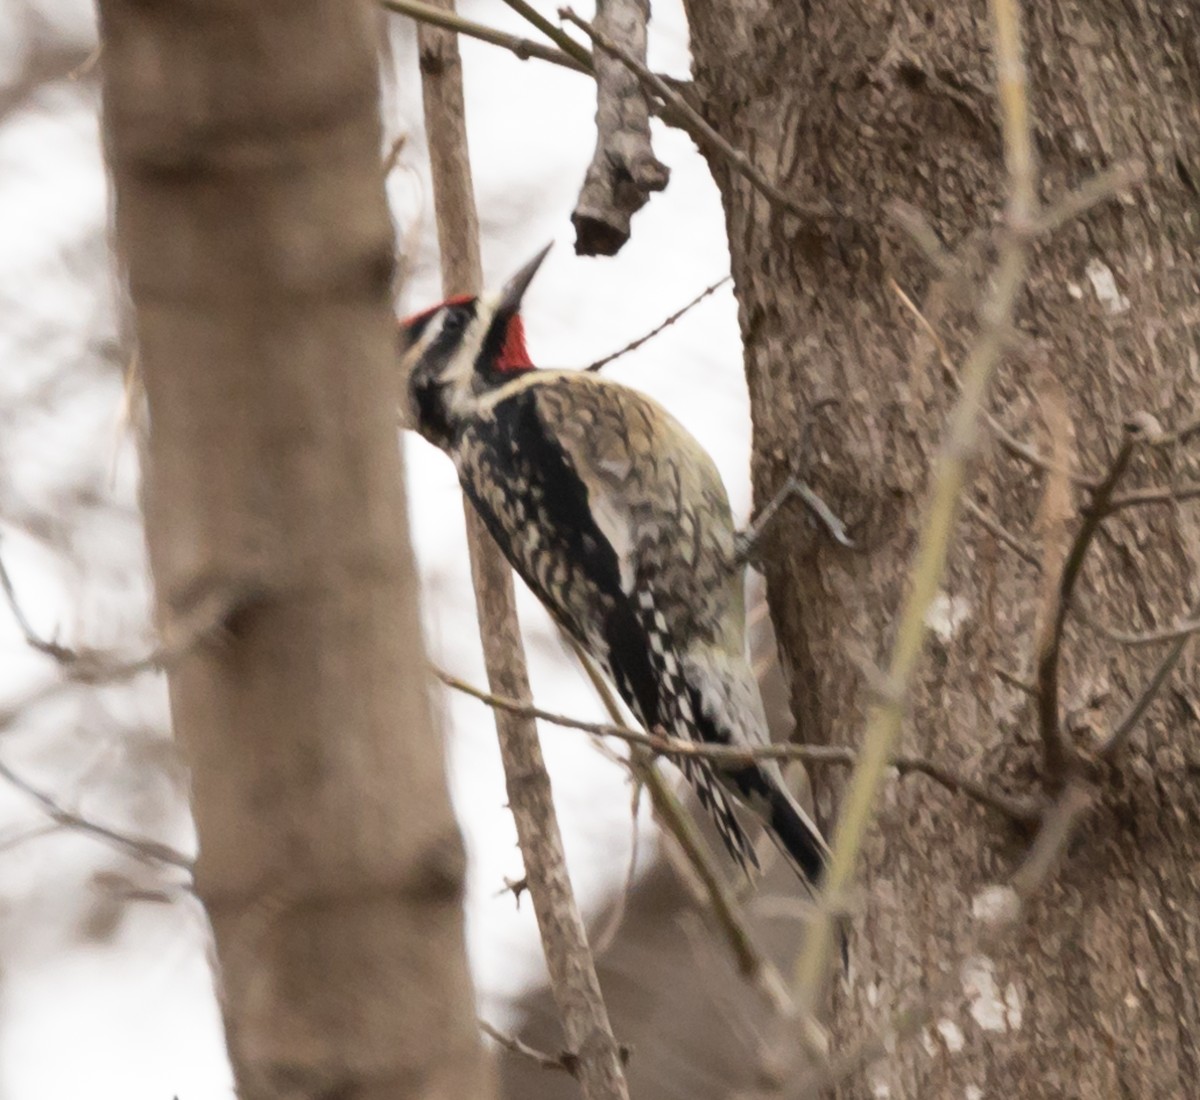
<point>514,289</point>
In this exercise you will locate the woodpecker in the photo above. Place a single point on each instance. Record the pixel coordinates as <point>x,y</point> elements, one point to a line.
<point>617,519</point>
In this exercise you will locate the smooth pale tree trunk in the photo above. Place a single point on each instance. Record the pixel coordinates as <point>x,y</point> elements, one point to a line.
<point>244,142</point>
<point>863,102</point>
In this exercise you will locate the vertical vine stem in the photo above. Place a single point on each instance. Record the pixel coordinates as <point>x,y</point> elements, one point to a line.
<point>569,961</point>
<point>949,477</point>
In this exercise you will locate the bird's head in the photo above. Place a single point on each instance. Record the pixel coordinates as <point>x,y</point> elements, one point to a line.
<point>455,354</point>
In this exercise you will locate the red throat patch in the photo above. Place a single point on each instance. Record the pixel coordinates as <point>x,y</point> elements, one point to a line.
<point>514,356</point>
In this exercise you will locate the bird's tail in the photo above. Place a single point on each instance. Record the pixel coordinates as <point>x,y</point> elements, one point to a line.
<point>797,834</point>
<point>801,842</point>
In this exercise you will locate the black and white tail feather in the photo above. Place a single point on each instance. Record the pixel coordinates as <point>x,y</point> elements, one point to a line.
<point>681,710</point>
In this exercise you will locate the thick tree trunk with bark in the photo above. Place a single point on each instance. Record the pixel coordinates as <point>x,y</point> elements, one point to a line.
<point>863,103</point>
<point>244,141</point>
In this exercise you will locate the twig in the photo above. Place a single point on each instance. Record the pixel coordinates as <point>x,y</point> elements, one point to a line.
<point>205,619</point>
<point>925,237</point>
<point>832,524</point>
<point>1050,845</point>
<point>1021,812</point>
<point>1019,449</point>
<point>1136,498</point>
<point>1178,435</point>
<point>1004,437</point>
<point>748,541</point>
<point>569,961</point>
<point>633,345</point>
<point>424,12</point>
<point>1147,638</point>
<point>736,756</point>
<point>138,846</point>
<point>556,35</point>
<point>704,134</point>
<point>624,170</point>
<point>994,527</point>
<point>607,934</point>
<point>567,1063</point>
<point>22,836</point>
<point>524,48</point>
<point>1013,681</point>
<point>32,638</point>
<point>1101,187</point>
<point>1057,754</point>
<point>1128,723</point>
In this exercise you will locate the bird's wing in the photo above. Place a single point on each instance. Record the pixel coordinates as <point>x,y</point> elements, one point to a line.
<point>640,470</point>
<point>562,484</point>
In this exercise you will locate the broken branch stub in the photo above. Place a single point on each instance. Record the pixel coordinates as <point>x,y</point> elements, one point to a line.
<point>624,170</point>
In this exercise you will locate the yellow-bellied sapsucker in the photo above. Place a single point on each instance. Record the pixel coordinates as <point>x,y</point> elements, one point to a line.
<point>618,521</point>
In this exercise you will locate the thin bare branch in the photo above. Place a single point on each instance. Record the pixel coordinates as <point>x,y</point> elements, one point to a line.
<point>826,515</point>
<point>1019,449</point>
<point>1129,721</point>
<point>1137,498</point>
<point>925,237</point>
<point>1050,845</point>
<point>633,345</point>
<point>607,934</point>
<point>567,1063</point>
<point>1016,447</point>
<point>1023,812</point>
<point>1002,534</point>
<point>524,48</point>
<point>94,667</point>
<point>705,136</point>
<point>32,638</point>
<point>203,622</point>
<point>1058,756</point>
<point>1014,681</point>
<point>737,756</point>
<point>205,619</point>
<point>557,35</point>
<point>1100,188</point>
<point>748,541</point>
<point>1178,435</point>
<point>22,836</point>
<point>569,961</point>
<point>1181,629</point>
<point>141,847</point>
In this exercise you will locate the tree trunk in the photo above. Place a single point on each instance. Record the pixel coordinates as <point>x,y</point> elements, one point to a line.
<point>244,141</point>
<point>862,103</point>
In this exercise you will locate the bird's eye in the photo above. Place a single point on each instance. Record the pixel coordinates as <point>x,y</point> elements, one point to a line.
<point>453,322</point>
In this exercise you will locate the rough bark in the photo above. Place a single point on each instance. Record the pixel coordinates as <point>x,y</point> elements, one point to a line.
<point>244,142</point>
<point>862,103</point>
<point>624,170</point>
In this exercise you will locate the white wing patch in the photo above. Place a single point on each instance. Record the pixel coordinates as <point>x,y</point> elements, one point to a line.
<point>620,468</point>
<point>616,525</point>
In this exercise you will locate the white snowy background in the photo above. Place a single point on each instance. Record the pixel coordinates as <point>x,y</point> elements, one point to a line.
<point>104,995</point>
